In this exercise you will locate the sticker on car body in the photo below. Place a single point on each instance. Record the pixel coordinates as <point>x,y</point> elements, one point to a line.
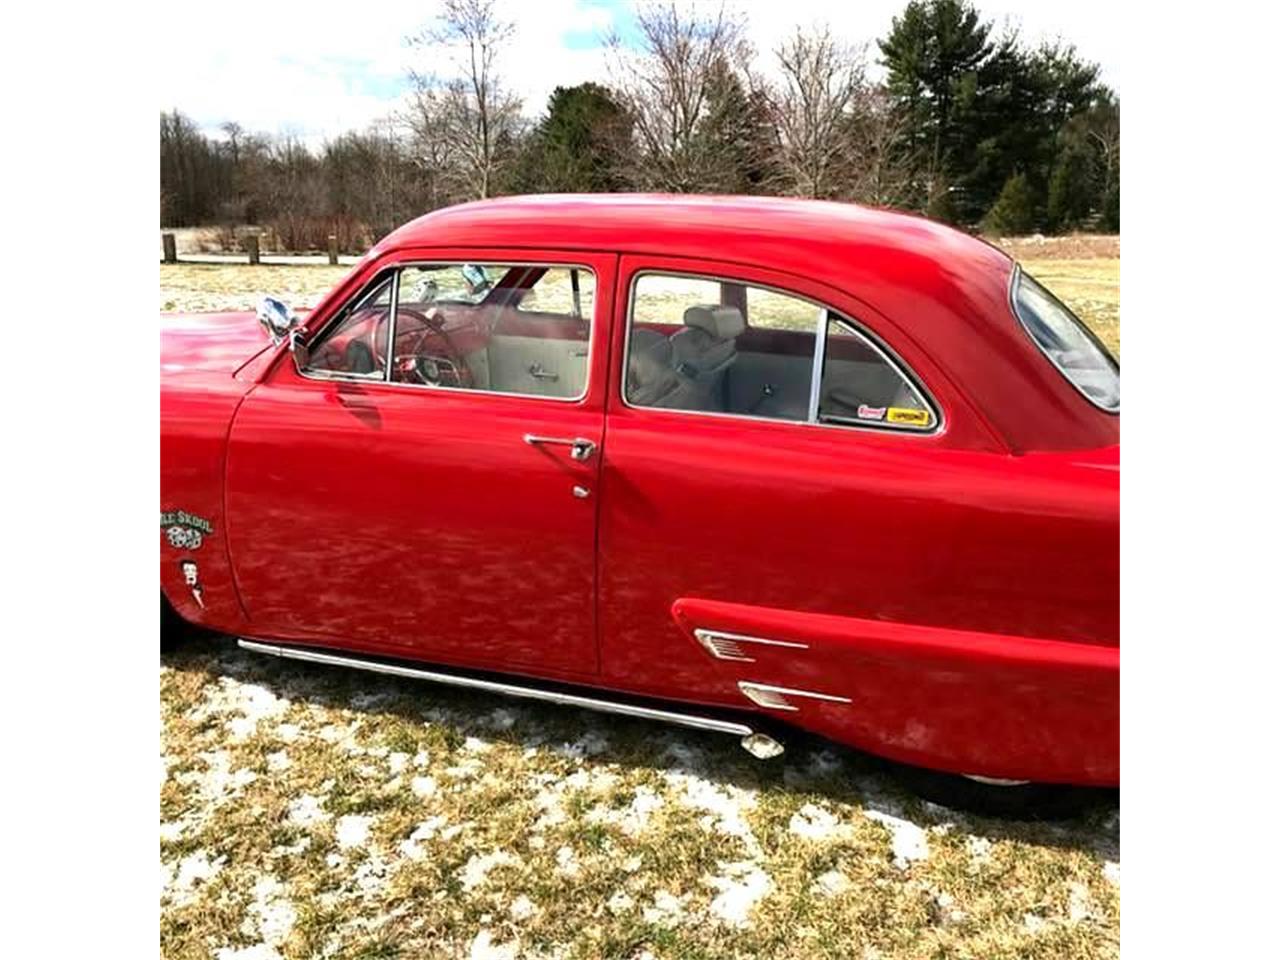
<point>917,418</point>
<point>184,531</point>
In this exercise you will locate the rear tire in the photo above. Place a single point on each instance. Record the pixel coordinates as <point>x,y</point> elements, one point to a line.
<point>1026,801</point>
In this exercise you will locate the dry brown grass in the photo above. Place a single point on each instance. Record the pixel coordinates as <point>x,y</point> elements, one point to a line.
<point>308,811</point>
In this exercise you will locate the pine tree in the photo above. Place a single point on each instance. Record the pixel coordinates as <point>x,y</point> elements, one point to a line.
<point>1014,210</point>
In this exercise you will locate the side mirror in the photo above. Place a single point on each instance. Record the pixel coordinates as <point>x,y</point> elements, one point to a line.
<point>276,318</point>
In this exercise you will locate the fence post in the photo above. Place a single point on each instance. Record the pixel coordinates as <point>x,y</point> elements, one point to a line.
<point>170,248</point>
<point>251,242</point>
<point>333,249</point>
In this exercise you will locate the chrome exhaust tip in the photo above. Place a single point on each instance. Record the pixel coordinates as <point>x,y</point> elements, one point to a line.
<point>761,746</point>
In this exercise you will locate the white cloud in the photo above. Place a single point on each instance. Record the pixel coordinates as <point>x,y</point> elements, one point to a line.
<point>332,68</point>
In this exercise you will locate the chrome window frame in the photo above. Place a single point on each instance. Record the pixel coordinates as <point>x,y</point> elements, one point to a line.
<point>825,314</point>
<point>384,376</point>
<point>1016,278</point>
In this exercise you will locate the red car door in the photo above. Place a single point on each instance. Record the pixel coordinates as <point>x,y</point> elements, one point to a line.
<point>848,546</point>
<point>439,503</point>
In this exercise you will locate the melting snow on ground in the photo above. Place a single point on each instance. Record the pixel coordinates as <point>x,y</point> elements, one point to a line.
<point>910,842</point>
<point>741,886</point>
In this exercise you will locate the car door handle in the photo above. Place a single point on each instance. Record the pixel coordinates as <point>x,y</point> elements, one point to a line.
<point>582,449</point>
<point>538,372</point>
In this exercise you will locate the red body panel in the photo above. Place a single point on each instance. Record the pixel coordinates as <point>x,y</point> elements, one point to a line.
<point>960,589</point>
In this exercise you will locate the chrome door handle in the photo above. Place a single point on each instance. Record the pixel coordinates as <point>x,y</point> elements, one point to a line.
<point>582,449</point>
<point>537,371</point>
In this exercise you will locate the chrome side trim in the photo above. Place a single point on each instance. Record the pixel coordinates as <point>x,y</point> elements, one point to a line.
<point>994,781</point>
<point>724,646</point>
<point>767,695</point>
<point>692,720</point>
<point>819,363</point>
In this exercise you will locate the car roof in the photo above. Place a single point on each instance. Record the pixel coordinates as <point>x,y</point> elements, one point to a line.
<point>738,226</point>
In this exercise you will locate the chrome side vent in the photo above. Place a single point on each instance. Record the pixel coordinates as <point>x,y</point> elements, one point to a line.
<point>728,646</point>
<point>775,698</point>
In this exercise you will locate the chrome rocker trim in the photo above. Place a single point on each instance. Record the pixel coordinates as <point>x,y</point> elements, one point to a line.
<point>757,744</point>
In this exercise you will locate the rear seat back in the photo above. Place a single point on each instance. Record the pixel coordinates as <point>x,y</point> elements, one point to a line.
<point>703,352</point>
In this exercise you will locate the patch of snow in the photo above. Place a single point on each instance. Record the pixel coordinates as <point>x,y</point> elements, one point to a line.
<point>831,884</point>
<point>619,903</point>
<point>423,786</point>
<point>634,817</point>
<point>275,914</point>
<point>467,768</point>
<point>218,783</point>
<point>426,830</point>
<point>397,762</point>
<point>632,864</point>
<point>171,830</point>
<point>726,806</point>
<point>306,810</point>
<point>259,951</point>
<point>522,908</point>
<point>476,745</point>
<point>277,761</point>
<point>567,862</point>
<point>288,732</point>
<point>910,841</point>
<point>1033,924</point>
<point>1111,870</point>
<point>979,849</point>
<point>421,758</point>
<point>476,870</point>
<point>742,885</point>
<point>193,870</point>
<point>814,823</point>
<point>483,948</point>
<point>1078,905</point>
<point>667,909</point>
<point>353,830</point>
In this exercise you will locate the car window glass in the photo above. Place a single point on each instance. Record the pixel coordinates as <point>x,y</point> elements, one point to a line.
<point>720,347</point>
<point>355,343</point>
<point>560,290</point>
<point>726,347</point>
<point>1064,340</point>
<point>498,328</point>
<point>861,386</point>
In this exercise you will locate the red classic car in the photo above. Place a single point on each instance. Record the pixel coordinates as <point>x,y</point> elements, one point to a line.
<point>733,463</point>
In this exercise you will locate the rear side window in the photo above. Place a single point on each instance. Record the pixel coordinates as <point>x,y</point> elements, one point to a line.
<point>1067,343</point>
<point>720,346</point>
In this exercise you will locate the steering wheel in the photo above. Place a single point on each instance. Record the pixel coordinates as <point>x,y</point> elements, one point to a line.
<point>422,366</point>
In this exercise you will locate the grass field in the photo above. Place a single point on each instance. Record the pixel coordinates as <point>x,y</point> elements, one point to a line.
<point>311,812</point>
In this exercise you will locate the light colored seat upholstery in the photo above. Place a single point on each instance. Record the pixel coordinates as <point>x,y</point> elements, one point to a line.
<point>703,353</point>
<point>651,376</point>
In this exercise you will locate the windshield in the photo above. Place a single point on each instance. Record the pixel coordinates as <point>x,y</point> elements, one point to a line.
<point>1067,343</point>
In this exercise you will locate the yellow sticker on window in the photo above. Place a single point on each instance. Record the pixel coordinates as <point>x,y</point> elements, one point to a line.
<point>917,418</point>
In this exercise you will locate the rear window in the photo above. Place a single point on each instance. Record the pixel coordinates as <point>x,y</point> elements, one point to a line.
<point>1068,343</point>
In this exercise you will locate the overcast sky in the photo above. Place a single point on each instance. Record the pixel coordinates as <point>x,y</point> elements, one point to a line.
<point>322,72</point>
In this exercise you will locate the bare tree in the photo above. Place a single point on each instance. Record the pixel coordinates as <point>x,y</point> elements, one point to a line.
<point>823,81</point>
<point>669,88</point>
<point>884,168</point>
<point>469,118</point>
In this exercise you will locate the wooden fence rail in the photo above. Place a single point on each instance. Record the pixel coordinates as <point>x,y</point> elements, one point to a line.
<point>252,249</point>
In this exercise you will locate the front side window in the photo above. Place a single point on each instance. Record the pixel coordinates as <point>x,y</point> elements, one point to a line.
<point>1067,343</point>
<point>498,328</point>
<point>354,343</point>
<point>725,347</point>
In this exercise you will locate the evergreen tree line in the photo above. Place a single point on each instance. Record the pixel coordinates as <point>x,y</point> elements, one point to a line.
<point>968,126</point>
